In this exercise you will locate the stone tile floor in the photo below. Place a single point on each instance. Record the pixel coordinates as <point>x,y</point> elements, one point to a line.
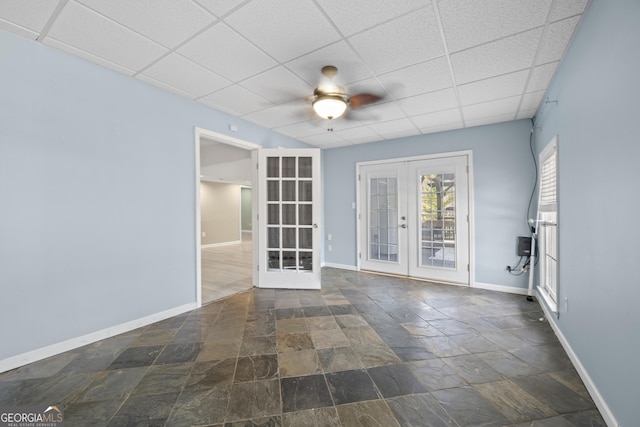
<point>366,350</point>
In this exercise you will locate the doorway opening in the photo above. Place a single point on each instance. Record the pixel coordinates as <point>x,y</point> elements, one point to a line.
<point>224,212</point>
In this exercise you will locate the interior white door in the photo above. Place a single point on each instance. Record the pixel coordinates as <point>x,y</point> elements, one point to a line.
<point>384,221</point>
<point>439,219</point>
<point>289,209</point>
<point>415,218</point>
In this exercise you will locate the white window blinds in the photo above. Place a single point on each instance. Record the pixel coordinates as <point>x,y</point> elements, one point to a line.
<point>548,183</point>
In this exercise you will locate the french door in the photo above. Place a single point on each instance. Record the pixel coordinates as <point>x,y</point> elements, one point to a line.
<point>288,219</point>
<point>415,218</point>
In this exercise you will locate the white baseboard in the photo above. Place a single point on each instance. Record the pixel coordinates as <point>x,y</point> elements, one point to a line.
<point>499,288</point>
<point>51,350</point>
<point>604,409</point>
<point>217,245</point>
<point>340,266</point>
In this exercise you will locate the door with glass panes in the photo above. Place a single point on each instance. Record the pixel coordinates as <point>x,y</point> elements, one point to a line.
<point>414,219</point>
<point>288,218</point>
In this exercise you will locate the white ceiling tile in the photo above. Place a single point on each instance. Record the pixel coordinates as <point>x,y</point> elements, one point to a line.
<point>531,101</point>
<point>424,77</point>
<point>360,133</point>
<point>340,55</point>
<point>284,30</point>
<point>219,7</point>
<point>214,47</point>
<point>236,100</point>
<point>354,16</point>
<point>394,127</point>
<point>556,39</point>
<point>84,29</point>
<point>468,24</point>
<point>423,121</point>
<point>185,75</point>
<point>565,8</point>
<point>491,109</point>
<point>278,85</point>
<point>168,22</point>
<point>299,130</point>
<point>541,76</point>
<point>325,140</point>
<point>442,128</point>
<point>273,117</point>
<point>489,120</point>
<point>493,59</point>
<point>429,102</point>
<point>420,38</point>
<point>30,15</point>
<point>493,88</point>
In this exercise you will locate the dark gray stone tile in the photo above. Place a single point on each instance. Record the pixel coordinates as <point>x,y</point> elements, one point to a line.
<point>90,413</point>
<point>145,410</point>
<point>200,407</point>
<point>112,384</point>
<point>507,364</point>
<point>275,421</point>
<point>288,313</point>
<point>474,343</point>
<point>420,410</point>
<point>451,326</point>
<point>136,357</point>
<point>254,399</point>
<point>513,402</point>
<point>254,368</point>
<point>473,369</point>
<point>300,393</point>
<point>546,358</point>
<point>351,386</point>
<point>316,311</point>
<point>442,346</point>
<point>553,394</point>
<point>339,359</point>
<point>162,379</point>
<point>343,309</point>
<point>319,417</point>
<point>395,380</point>
<point>41,369</point>
<point>212,374</point>
<point>373,413</point>
<point>179,353</point>
<point>294,342</point>
<point>412,352</point>
<point>468,408</point>
<point>434,374</point>
<point>253,346</point>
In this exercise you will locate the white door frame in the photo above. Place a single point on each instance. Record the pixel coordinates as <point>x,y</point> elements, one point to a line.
<point>223,139</point>
<point>359,208</point>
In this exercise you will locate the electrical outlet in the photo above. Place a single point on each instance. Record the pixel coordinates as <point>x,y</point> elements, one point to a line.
<point>204,234</point>
<point>329,248</point>
<point>329,237</point>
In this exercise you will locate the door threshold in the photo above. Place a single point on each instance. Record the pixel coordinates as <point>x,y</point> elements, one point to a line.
<point>421,279</point>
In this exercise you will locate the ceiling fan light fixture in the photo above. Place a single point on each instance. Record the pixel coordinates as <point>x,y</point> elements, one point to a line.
<point>329,106</point>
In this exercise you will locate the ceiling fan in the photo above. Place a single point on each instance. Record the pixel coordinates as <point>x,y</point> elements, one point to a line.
<point>330,101</point>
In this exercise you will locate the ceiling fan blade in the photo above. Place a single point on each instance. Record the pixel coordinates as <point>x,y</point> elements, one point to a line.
<point>357,101</point>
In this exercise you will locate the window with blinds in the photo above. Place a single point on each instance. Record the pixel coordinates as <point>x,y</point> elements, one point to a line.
<point>547,232</point>
<point>548,183</point>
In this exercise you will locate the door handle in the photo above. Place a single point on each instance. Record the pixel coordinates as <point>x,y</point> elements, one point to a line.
<point>403,225</point>
<point>315,225</point>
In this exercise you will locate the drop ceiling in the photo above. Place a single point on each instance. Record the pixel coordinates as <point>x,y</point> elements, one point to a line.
<point>440,64</point>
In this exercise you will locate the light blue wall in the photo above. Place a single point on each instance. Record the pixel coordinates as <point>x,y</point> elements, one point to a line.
<point>97,195</point>
<point>596,120</point>
<point>503,175</point>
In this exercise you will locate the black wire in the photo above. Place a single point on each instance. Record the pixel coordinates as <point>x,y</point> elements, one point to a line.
<point>535,164</point>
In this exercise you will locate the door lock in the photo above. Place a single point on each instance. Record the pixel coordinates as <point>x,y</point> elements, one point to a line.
<point>403,225</point>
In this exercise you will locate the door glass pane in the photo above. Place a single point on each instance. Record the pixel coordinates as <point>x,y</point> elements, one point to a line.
<point>288,167</point>
<point>289,214</point>
<point>273,236</point>
<point>383,219</point>
<point>273,214</point>
<point>305,191</point>
<point>289,238</point>
<point>438,219</point>
<point>306,260</point>
<point>289,260</point>
<point>289,191</point>
<point>305,238</point>
<point>273,191</point>
<point>273,260</point>
<point>304,167</point>
<point>273,167</point>
<point>305,216</point>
